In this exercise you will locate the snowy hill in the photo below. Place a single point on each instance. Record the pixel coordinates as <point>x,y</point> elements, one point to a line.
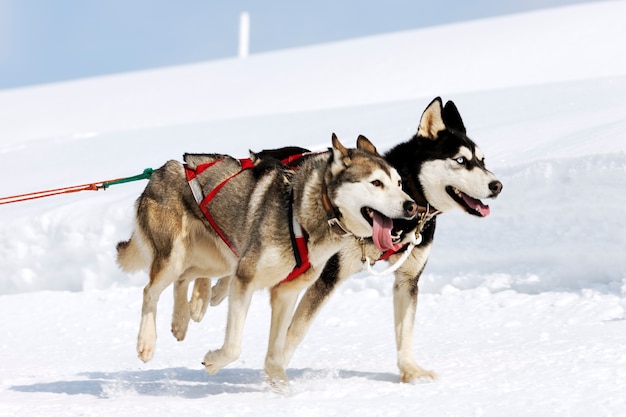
<point>520,313</point>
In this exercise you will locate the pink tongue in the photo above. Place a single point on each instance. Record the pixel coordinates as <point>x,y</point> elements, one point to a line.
<point>382,233</point>
<point>477,205</point>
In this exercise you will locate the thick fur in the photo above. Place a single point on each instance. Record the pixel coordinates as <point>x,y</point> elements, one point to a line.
<point>438,165</point>
<point>173,240</point>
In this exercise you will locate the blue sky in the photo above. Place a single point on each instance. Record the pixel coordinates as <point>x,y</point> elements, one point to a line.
<point>44,41</point>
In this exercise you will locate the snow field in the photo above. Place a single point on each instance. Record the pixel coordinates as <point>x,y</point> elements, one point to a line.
<point>522,313</point>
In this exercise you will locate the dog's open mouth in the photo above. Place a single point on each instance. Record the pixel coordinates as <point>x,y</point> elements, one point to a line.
<point>470,204</point>
<point>383,233</point>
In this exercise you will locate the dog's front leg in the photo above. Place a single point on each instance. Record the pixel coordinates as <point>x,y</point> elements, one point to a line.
<point>311,303</point>
<point>238,305</point>
<point>405,291</point>
<point>339,267</point>
<point>283,298</point>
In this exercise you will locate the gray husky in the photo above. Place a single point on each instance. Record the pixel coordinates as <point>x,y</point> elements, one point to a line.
<point>442,170</point>
<point>217,216</point>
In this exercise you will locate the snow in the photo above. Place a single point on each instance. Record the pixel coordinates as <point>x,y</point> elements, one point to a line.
<point>520,313</point>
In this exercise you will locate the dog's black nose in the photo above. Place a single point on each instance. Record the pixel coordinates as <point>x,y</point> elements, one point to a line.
<point>495,187</point>
<point>410,208</point>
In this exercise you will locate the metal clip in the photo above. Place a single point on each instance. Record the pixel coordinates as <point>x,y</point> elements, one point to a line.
<point>362,242</point>
<point>338,228</point>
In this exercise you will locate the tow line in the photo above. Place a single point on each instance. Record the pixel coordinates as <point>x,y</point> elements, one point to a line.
<point>101,185</point>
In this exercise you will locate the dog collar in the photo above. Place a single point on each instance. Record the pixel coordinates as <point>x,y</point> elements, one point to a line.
<point>331,213</point>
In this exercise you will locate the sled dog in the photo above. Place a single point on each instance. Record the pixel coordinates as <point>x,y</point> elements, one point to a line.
<point>217,216</point>
<point>442,170</point>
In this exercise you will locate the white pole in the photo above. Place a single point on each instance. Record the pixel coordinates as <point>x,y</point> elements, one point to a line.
<point>244,35</point>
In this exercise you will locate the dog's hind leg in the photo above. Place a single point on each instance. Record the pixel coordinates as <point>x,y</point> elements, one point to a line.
<point>195,309</point>
<point>181,314</point>
<point>146,339</point>
<point>200,296</point>
<point>204,295</point>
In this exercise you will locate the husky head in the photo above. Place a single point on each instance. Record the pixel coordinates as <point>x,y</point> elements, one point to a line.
<point>452,172</point>
<point>367,192</point>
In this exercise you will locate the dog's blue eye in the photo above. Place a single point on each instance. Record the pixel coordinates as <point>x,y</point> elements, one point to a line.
<point>377,183</point>
<point>460,160</point>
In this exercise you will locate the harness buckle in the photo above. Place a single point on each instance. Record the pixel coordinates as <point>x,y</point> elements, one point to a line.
<point>338,228</point>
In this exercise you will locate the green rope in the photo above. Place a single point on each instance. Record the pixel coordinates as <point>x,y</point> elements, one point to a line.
<point>143,176</point>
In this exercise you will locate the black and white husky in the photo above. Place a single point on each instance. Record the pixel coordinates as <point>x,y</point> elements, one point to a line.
<point>442,170</point>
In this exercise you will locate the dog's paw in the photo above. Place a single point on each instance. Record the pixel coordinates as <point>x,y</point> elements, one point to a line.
<point>146,339</point>
<point>216,299</point>
<point>179,328</point>
<point>215,360</point>
<point>219,291</point>
<point>279,385</point>
<point>145,350</point>
<point>416,374</point>
<point>275,374</point>
<point>197,308</point>
<point>200,298</point>
<point>180,322</point>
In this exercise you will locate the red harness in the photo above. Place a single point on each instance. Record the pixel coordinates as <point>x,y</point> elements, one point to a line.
<point>387,254</point>
<point>297,234</point>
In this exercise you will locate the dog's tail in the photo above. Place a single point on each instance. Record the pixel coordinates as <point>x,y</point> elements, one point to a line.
<point>130,255</point>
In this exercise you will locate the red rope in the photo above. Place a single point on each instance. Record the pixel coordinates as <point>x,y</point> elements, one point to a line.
<point>49,193</point>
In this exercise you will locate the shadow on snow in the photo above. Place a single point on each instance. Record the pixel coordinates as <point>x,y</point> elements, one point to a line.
<point>183,382</point>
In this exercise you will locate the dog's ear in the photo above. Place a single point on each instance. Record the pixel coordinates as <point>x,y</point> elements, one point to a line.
<point>256,160</point>
<point>341,157</point>
<point>452,118</point>
<point>431,122</point>
<point>364,144</point>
